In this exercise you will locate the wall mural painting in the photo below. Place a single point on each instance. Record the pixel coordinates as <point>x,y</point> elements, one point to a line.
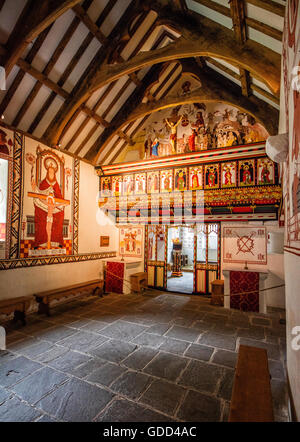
<point>199,126</point>
<point>265,171</point>
<point>6,152</point>
<point>105,186</point>
<point>211,172</point>
<point>128,185</point>
<point>166,181</point>
<point>116,185</point>
<point>244,244</point>
<point>246,173</point>
<point>291,77</point>
<point>153,182</point>
<point>47,215</point>
<point>195,178</point>
<point>131,241</point>
<point>180,179</point>
<point>228,174</point>
<point>140,183</point>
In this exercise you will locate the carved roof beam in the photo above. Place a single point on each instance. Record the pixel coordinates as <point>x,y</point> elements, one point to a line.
<point>204,38</point>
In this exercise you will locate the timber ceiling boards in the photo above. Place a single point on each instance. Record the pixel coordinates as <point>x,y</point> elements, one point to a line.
<point>59,57</point>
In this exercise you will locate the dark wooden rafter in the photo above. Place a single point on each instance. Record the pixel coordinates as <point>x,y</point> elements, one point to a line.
<point>1,4</point>
<point>130,104</point>
<point>133,77</point>
<point>237,9</point>
<point>255,24</point>
<point>20,75</point>
<point>30,25</point>
<point>233,74</point>
<point>140,125</point>
<point>75,59</point>
<point>206,39</point>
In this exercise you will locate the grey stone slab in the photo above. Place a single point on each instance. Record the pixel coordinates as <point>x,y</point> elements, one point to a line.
<point>166,366</point>
<point>122,410</point>
<point>106,374</point>
<point>279,397</point>
<point>68,361</point>
<point>37,385</point>
<point>174,346</point>
<point>140,358</point>
<point>114,350</point>
<point>16,369</point>
<point>260,321</point>
<point>6,355</point>
<point>224,357</point>
<point>252,333</point>
<point>200,352</point>
<point>87,368</point>
<point>217,340</point>
<point>51,354</point>
<point>4,395</point>
<point>224,329</point>
<point>56,334</point>
<point>82,341</point>
<point>79,322</point>
<point>272,350</point>
<point>94,326</point>
<point>75,401</point>
<point>14,410</point>
<point>123,330</point>
<point>131,384</point>
<point>201,376</point>
<point>159,329</point>
<point>183,333</point>
<point>38,348</point>
<point>198,407</point>
<point>226,384</point>
<point>163,396</point>
<point>276,370</point>
<point>149,340</point>
<point>19,346</point>
<point>45,418</point>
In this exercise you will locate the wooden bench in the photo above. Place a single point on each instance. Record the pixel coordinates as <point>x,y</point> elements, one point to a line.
<point>251,399</point>
<point>17,306</point>
<point>138,281</point>
<point>45,299</point>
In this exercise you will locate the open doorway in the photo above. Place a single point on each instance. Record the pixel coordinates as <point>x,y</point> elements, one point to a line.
<point>180,259</point>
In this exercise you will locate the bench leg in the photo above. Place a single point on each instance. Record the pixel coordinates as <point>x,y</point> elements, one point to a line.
<point>43,308</point>
<point>98,292</point>
<point>20,316</point>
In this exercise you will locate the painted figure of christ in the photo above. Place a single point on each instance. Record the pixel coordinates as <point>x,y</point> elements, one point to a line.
<point>48,214</point>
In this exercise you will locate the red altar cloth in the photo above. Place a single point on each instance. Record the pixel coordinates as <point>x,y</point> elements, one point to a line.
<point>244,282</point>
<point>112,283</point>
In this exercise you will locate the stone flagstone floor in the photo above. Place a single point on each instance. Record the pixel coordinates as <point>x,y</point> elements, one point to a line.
<point>130,358</point>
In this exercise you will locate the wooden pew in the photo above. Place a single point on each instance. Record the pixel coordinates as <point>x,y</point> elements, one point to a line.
<point>17,306</point>
<point>251,399</point>
<point>65,294</point>
<point>138,281</point>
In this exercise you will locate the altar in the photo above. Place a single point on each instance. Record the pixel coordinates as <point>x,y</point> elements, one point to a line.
<point>243,281</point>
<point>118,275</point>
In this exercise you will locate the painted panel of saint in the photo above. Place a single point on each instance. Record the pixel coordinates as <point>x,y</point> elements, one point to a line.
<point>265,171</point>
<point>180,179</point>
<point>228,174</point>
<point>6,143</point>
<point>152,182</point>
<point>140,183</point>
<point>166,181</point>
<point>105,186</point>
<point>246,173</point>
<point>116,185</point>
<point>211,172</point>
<point>195,178</point>
<point>128,185</point>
